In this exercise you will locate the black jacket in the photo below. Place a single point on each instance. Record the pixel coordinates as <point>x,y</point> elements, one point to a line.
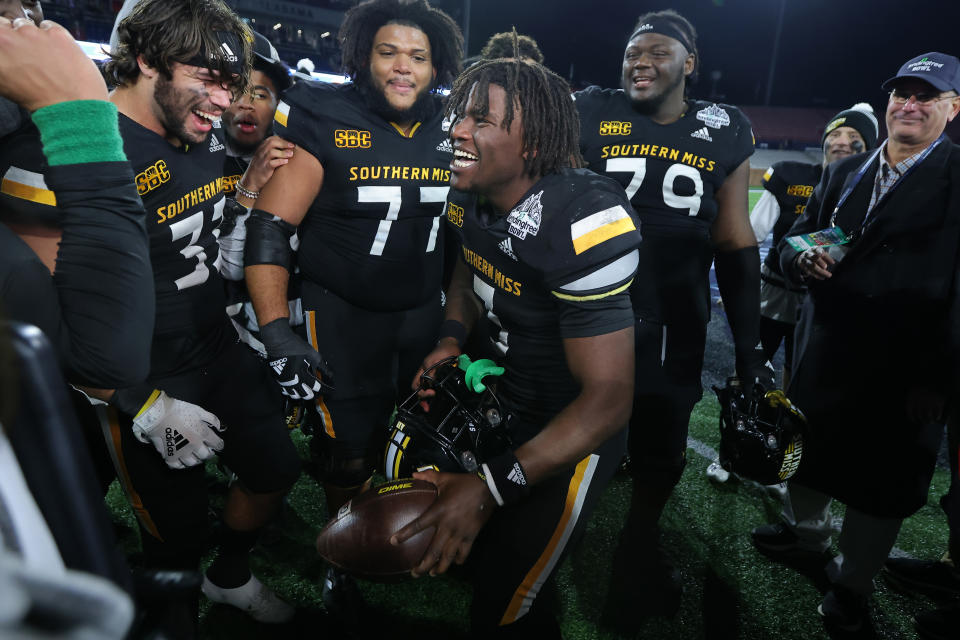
<point>882,325</point>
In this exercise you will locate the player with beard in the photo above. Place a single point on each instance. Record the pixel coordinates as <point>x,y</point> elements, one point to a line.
<point>684,165</point>
<point>365,191</point>
<point>175,66</point>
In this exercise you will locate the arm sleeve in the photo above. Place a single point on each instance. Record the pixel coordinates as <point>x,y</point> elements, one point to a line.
<point>764,216</point>
<point>103,281</point>
<point>103,276</point>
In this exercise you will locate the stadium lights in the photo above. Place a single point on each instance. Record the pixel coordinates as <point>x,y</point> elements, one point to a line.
<point>325,34</point>
<point>277,26</point>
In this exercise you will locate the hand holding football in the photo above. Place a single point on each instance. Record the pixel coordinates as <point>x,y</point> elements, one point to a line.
<point>357,539</point>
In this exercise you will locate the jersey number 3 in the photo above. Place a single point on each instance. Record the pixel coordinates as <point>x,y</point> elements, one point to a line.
<point>638,167</point>
<point>192,226</point>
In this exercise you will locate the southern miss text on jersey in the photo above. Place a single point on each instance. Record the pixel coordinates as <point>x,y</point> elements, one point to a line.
<point>792,184</point>
<point>182,192</point>
<point>558,266</point>
<point>671,174</point>
<point>24,195</point>
<point>373,235</point>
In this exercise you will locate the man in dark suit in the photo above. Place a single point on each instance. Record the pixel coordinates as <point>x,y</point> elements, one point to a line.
<point>875,350</point>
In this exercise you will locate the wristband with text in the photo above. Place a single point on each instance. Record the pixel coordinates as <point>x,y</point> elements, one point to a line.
<point>505,478</point>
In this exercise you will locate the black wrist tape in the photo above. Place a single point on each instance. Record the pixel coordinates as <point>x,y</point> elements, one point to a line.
<point>268,240</point>
<point>505,478</point>
<point>453,329</point>
<point>131,399</point>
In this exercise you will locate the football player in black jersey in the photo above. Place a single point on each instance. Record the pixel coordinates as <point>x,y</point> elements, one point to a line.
<point>684,164</point>
<point>365,191</point>
<point>176,65</point>
<point>787,186</point>
<point>253,154</point>
<point>548,254</point>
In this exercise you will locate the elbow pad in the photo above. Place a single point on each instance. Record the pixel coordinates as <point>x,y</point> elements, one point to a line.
<point>268,240</point>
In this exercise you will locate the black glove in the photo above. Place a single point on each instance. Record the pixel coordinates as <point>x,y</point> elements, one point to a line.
<point>753,368</point>
<point>295,363</point>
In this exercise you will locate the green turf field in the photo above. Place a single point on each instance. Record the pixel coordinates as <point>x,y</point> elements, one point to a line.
<point>731,591</point>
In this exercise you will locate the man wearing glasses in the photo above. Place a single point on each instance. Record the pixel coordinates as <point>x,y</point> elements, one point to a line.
<point>878,249</point>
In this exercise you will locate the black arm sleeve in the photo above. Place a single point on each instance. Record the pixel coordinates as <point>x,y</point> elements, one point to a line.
<point>738,278</point>
<point>98,309</point>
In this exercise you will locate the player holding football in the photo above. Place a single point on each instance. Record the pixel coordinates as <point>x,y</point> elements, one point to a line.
<point>365,192</point>
<point>548,252</point>
<point>175,66</point>
<point>684,165</point>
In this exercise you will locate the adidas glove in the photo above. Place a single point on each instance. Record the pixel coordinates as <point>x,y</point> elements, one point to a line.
<point>182,432</point>
<point>295,364</point>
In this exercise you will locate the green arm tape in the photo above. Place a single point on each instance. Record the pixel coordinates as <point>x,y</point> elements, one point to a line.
<point>79,132</point>
<point>479,370</point>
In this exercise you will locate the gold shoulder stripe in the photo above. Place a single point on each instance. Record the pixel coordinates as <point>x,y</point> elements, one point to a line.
<point>282,113</point>
<point>768,174</point>
<point>27,185</point>
<point>598,296</point>
<point>600,227</point>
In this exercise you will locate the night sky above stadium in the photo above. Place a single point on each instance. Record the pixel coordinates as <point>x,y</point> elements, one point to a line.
<point>832,52</point>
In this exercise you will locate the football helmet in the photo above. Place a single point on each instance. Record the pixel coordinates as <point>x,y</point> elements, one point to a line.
<point>455,430</point>
<point>761,432</point>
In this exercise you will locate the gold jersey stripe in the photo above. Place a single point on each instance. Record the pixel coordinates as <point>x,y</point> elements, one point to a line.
<point>768,174</point>
<point>282,113</point>
<point>602,234</point>
<point>27,185</point>
<point>596,296</point>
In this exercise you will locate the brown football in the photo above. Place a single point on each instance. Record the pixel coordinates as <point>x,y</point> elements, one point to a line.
<point>357,539</point>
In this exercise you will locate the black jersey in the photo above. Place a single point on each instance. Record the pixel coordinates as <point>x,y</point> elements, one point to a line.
<point>671,174</point>
<point>373,235</point>
<point>558,266</point>
<point>791,183</point>
<point>25,197</point>
<point>182,192</point>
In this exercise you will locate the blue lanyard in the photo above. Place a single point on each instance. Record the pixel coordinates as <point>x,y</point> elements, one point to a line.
<point>863,170</point>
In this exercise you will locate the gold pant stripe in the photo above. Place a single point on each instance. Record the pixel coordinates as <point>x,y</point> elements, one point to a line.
<point>110,425</point>
<point>524,596</point>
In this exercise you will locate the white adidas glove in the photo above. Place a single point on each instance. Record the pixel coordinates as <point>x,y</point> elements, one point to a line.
<point>182,432</point>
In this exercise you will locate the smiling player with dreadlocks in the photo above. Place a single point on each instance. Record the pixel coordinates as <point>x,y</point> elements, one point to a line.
<point>548,251</point>
<point>366,187</point>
